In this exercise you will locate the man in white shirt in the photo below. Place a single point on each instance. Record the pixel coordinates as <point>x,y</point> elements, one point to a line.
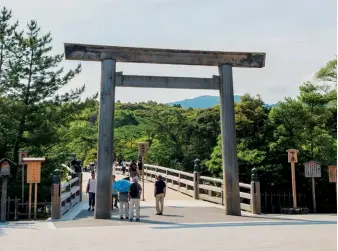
<point>124,165</point>
<point>91,189</point>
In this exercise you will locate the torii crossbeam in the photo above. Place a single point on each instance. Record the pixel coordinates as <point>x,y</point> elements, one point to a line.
<point>109,55</point>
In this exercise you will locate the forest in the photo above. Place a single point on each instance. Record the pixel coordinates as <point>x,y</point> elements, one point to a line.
<point>37,117</point>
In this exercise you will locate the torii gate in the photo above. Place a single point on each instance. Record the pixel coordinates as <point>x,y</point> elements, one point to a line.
<point>109,55</point>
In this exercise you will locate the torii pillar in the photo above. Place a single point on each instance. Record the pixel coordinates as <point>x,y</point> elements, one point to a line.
<point>109,55</point>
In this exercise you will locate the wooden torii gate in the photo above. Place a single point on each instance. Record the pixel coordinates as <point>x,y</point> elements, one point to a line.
<point>109,55</point>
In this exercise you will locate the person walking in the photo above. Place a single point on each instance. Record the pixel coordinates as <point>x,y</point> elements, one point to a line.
<point>91,189</point>
<point>124,167</point>
<point>140,167</point>
<point>134,196</point>
<point>124,205</point>
<point>159,193</point>
<point>133,170</point>
<point>114,194</point>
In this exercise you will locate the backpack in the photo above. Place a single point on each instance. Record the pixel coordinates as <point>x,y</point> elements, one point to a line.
<point>134,190</point>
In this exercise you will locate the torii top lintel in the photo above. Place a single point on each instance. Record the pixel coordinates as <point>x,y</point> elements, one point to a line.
<point>163,56</point>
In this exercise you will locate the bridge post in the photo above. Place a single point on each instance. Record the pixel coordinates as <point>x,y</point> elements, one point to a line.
<point>56,193</point>
<point>229,146</point>
<point>79,175</point>
<point>197,170</point>
<point>255,192</point>
<point>106,128</point>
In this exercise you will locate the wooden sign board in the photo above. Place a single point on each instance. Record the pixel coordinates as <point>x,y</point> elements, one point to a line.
<point>22,155</point>
<point>333,174</point>
<point>292,155</point>
<point>33,169</point>
<point>33,172</point>
<point>142,149</point>
<point>312,169</point>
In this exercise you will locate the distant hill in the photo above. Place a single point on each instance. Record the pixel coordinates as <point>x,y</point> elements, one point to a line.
<point>203,102</point>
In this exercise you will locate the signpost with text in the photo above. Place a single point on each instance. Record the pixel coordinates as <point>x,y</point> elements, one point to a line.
<point>33,176</point>
<point>292,158</point>
<point>142,151</point>
<point>313,170</point>
<point>333,175</point>
<point>5,172</point>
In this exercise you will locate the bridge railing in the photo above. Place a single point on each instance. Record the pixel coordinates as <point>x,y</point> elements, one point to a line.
<point>65,195</point>
<point>207,188</point>
<point>70,195</point>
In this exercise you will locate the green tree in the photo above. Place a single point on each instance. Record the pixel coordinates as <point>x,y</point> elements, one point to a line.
<point>33,80</point>
<point>328,72</point>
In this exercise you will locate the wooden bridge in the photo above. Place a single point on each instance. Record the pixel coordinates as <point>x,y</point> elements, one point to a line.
<point>184,187</point>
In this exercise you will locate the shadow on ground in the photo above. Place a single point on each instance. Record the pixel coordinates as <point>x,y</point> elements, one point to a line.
<point>17,225</point>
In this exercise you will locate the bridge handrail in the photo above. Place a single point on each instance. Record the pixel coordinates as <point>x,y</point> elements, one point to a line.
<point>209,188</point>
<point>70,194</point>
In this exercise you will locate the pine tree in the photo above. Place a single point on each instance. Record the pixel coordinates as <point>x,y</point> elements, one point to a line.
<point>7,42</point>
<point>33,80</point>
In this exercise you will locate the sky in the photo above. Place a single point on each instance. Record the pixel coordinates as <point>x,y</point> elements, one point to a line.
<point>298,37</point>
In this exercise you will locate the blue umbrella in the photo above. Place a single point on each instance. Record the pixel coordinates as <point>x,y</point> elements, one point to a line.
<point>121,185</point>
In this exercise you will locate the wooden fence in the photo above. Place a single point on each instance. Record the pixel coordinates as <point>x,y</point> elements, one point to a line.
<point>16,210</point>
<point>70,195</point>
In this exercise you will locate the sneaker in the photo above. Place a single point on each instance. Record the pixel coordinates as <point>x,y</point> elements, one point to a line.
<point>160,213</point>
<point>127,218</point>
<point>137,219</point>
<point>89,208</point>
<point>121,218</point>
<point>131,219</point>
<point>92,209</point>
<point>157,213</point>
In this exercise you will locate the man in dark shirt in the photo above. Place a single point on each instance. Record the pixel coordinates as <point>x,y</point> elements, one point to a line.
<point>134,196</point>
<point>159,193</point>
<point>140,167</point>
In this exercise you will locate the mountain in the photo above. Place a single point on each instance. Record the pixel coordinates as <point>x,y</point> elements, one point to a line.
<point>203,102</point>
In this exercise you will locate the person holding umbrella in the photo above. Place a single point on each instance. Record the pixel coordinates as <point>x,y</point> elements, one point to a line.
<point>124,205</point>
<point>122,186</point>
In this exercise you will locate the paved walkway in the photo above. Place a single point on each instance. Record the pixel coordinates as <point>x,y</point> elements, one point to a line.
<point>187,225</point>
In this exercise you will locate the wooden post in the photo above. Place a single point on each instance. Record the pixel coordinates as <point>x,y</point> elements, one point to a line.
<point>30,201</point>
<point>196,185</point>
<point>23,182</point>
<point>229,145</point>
<point>314,195</point>
<point>313,170</point>
<point>80,184</point>
<point>56,192</point>
<point>33,176</point>
<point>35,199</point>
<point>255,192</point>
<point>105,142</point>
<point>142,151</point>
<point>292,158</point>
<point>4,198</point>
<point>143,180</point>
<point>22,155</point>
<point>16,208</point>
<point>196,178</point>
<point>294,192</point>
